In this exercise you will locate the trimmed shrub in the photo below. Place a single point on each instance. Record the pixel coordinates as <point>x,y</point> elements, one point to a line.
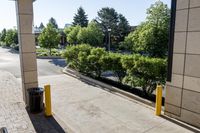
<point>76,56</point>
<point>112,62</point>
<point>134,70</point>
<point>144,72</point>
<point>45,52</point>
<point>95,61</point>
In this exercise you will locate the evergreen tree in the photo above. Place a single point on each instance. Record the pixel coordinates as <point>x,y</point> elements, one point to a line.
<point>41,26</point>
<point>53,22</point>
<point>80,18</point>
<point>108,18</point>
<point>123,28</point>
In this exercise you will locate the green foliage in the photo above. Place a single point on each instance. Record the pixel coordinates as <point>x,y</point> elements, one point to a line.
<point>144,72</point>
<point>134,70</point>
<point>3,35</point>
<point>123,28</point>
<point>95,61</point>
<point>76,56</point>
<point>45,52</point>
<point>72,34</point>
<point>41,26</point>
<point>91,35</point>
<point>49,38</point>
<point>53,22</point>
<point>80,18</point>
<point>11,37</point>
<point>151,37</point>
<point>108,18</point>
<point>112,62</point>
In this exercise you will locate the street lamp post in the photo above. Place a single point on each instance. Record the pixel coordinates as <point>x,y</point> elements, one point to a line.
<point>109,37</point>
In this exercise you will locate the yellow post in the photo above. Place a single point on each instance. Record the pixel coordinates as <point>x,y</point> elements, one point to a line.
<point>158,100</point>
<point>48,111</point>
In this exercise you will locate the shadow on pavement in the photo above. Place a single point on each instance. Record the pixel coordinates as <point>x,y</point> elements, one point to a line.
<point>186,126</point>
<point>44,124</point>
<point>13,51</point>
<point>58,62</point>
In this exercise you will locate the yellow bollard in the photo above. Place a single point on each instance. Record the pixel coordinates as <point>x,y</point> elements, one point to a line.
<point>158,100</point>
<point>48,111</point>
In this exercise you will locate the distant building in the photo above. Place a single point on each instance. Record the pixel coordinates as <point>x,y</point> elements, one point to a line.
<point>68,25</point>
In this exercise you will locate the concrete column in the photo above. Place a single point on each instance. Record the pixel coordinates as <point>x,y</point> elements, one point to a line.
<point>182,99</point>
<point>24,10</point>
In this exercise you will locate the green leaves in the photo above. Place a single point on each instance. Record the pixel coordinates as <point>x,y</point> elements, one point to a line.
<point>151,37</point>
<point>72,34</point>
<point>49,38</point>
<point>80,18</point>
<point>108,18</point>
<point>91,35</point>
<point>134,70</point>
<point>9,37</point>
<point>144,72</point>
<point>53,22</point>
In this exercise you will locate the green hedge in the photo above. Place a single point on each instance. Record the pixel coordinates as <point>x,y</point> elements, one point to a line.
<point>133,70</point>
<point>45,52</point>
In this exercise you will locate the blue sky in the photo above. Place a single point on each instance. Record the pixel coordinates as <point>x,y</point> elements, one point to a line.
<point>64,10</point>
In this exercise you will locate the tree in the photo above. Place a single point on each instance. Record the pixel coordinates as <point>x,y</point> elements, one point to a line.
<point>11,37</point>
<point>49,38</point>
<point>80,18</point>
<point>92,35</point>
<point>123,28</point>
<point>53,22</point>
<point>3,35</point>
<point>108,18</point>
<point>151,37</point>
<point>41,26</point>
<point>72,34</point>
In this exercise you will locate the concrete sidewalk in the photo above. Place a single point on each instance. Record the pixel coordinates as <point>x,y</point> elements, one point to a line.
<point>89,109</point>
<point>13,114</point>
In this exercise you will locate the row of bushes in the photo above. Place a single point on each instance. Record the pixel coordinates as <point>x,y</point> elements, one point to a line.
<point>45,52</point>
<point>134,70</point>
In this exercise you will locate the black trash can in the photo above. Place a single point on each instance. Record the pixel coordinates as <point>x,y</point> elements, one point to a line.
<point>35,99</point>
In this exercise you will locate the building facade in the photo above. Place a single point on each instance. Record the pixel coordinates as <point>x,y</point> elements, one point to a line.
<point>183,87</point>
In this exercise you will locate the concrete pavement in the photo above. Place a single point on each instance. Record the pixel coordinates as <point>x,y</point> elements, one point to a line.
<point>9,61</point>
<point>89,109</point>
<point>15,117</point>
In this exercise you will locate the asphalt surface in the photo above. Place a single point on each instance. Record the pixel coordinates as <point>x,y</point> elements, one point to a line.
<point>9,61</point>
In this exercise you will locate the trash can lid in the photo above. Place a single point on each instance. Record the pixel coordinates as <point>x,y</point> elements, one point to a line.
<point>35,90</point>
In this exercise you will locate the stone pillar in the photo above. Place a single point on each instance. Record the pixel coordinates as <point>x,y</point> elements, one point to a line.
<point>24,10</point>
<point>183,92</point>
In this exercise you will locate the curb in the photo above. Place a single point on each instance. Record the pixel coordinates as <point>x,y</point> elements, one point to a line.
<point>105,86</point>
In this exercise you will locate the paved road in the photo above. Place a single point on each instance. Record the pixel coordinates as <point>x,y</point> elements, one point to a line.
<point>9,61</point>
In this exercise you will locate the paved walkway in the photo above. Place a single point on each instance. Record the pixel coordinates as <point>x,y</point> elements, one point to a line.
<point>13,114</point>
<point>89,109</point>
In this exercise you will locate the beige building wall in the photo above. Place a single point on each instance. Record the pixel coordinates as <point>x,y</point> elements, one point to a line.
<point>24,10</point>
<point>183,92</point>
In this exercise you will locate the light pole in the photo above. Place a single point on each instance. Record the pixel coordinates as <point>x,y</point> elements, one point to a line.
<point>109,31</point>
